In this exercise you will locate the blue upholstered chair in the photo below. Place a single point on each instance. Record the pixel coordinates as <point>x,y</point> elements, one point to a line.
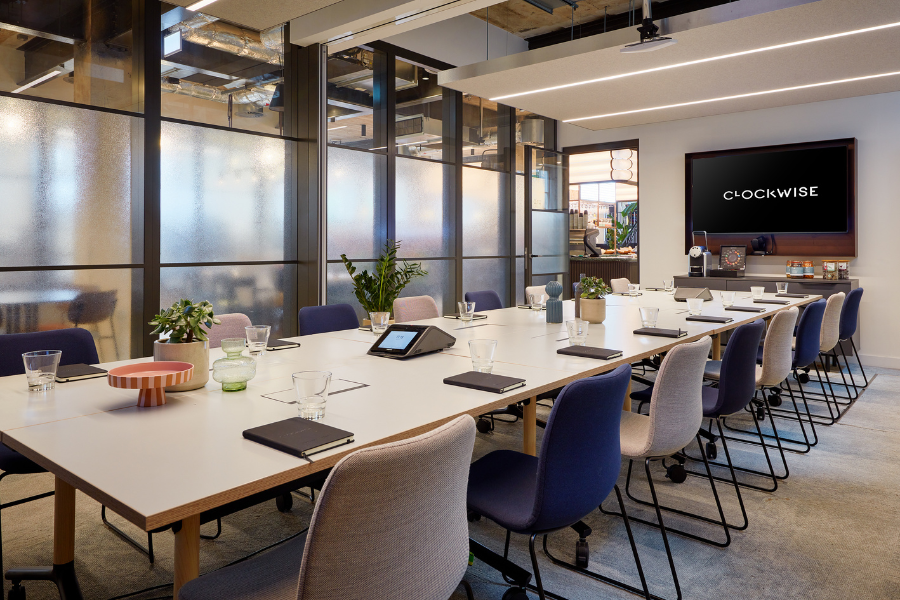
<point>849,323</point>
<point>322,319</point>
<point>484,300</point>
<point>577,468</point>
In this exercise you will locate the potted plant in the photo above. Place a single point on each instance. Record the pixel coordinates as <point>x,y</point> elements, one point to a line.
<point>593,299</point>
<point>187,341</point>
<point>376,292</point>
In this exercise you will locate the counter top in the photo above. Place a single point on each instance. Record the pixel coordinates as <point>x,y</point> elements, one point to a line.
<point>620,257</point>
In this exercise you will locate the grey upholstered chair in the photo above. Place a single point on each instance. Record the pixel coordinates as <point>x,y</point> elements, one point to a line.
<point>619,286</point>
<point>232,326</point>
<point>407,541</point>
<point>415,308</point>
<point>828,339</point>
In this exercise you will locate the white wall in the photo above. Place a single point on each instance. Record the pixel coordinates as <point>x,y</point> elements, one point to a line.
<point>462,40</point>
<point>873,120</point>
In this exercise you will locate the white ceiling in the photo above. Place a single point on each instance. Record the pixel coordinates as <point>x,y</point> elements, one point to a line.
<point>259,14</point>
<point>848,57</point>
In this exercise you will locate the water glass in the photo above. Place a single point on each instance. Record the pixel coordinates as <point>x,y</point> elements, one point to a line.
<point>312,393</point>
<point>727,299</point>
<point>695,306</point>
<point>482,352</point>
<point>757,292</point>
<point>379,321</point>
<point>634,289</point>
<point>466,311</point>
<point>40,369</point>
<point>649,316</point>
<point>257,339</point>
<point>669,285</point>
<point>578,331</point>
<point>536,301</point>
<point>781,286</point>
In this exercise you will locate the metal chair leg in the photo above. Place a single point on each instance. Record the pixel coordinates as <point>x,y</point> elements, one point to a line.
<point>470,595</point>
<point>148,551</point>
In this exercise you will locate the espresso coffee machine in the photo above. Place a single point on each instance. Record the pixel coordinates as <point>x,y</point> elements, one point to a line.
<point>700,257</point>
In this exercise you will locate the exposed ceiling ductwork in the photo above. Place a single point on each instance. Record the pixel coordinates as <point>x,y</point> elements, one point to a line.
<point>266,46</point>
<point>255,95</point>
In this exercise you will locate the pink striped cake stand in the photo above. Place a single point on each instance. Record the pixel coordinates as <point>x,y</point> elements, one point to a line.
<point>151,379</point>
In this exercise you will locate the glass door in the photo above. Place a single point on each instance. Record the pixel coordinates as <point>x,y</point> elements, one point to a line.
<point>547,218</point>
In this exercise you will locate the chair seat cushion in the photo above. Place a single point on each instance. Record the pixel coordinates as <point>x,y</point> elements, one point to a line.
<point>635,435</point>
<point>710,400</point>
<point>273,575</point>
<point>16,464</point>
<point>642,395</point>
<point>713,370</point>
<point>502,488</point>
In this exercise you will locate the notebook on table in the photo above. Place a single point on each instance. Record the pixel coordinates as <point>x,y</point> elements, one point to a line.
<point>655,331</point>
<point>771,302</point>
<point>590,352</point>
<point>753,309</point>
<point>709,319</point>
<point>299,437</point>
<point>273,345</point>
<point>787,295</point>
<point>486,382</point>
<point>78,371</point>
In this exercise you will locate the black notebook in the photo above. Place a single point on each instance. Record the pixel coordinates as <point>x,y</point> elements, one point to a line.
<point>77,371</point>
<point>786,295</point>
<point>771,302</point>
<point>669,333</point>
<point>590,352</point>
<point>299,437</point>
<point>752,309</point>
<point>281,345</point>
<point>485,382</point>
<point>475,317</point>
<point>709,319</point>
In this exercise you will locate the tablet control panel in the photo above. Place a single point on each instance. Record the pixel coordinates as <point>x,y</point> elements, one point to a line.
<point>405,341</point>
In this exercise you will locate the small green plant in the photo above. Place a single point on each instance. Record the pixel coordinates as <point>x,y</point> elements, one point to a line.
<point>623,229</point>
<point>182,322</point>
<point>376,292</point>
<point>594,287</point>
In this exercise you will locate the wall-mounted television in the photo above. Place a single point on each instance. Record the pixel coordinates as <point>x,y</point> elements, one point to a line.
<point>803,194</point>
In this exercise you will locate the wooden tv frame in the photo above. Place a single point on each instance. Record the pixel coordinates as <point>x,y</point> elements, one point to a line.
<point>831,245</point>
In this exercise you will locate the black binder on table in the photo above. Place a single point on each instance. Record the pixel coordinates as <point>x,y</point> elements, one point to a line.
<point>273,345</point>
<point>486,382</point>
<point>78,371</point>
<point>709,319</point>
<point>590,352</point>
<point>753,309</point>
<point>771,302</point>
<point>299,437</point>
<point>786,295</point>
<point>669,333</point>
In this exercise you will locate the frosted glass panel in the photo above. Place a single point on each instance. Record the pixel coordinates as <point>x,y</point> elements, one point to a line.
<point>339,286</point>
<point>549,232</point>
<point>425,215</point>
<point>98,300</point>
<point>520,280</point>
<point>485,213</point>
<point>255,290</point>
<point>487,274</point>
<point>222,196</point>
<point>67,189</point>
<point>548,264</point>
<point>520,214</point>
<point>356,213</point>
<point>439,284</point>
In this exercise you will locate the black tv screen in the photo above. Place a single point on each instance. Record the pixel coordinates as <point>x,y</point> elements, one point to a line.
<point>804,190</point>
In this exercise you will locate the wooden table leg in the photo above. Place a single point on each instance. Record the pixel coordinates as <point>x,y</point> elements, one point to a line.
<point>716,347</point>
<point>187,553</point>
<point>626,404</point>
<point>63,523</point>
<point>529,434</point>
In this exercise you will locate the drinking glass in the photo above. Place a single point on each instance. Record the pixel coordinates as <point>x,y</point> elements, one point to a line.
<point>634,289</point>
<point>781,286</point>
<point>466,310</point>
<point>40,369</point>
<point>757,292</point>
<point>695,306</point>
<point>727,298</point>
<point>669,285</point>
<point>536,301</point>
<point>257,339</point>
<point>379,321</point>
<point>482,352</point>
<point>312,393</point>
<point>578,331</point>
<point>649,316</point>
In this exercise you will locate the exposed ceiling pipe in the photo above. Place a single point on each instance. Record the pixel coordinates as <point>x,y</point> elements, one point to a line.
<point>203,30</point>
<point>256,95</point>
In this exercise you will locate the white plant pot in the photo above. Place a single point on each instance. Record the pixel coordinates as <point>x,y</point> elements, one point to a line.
<point>593,310</point>
<point>196,353</point>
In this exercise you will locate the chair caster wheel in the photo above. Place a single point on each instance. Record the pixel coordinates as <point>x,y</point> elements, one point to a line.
<point>582,554</point>
<point>284,503</point>
<point>774,400</point>
<point>515,594</point>
<point>803,378</point>
<point>711,452</point>
<point>17,592</point>
<point>472,516</point>
<point>483,426</point>
<point>676,473</point>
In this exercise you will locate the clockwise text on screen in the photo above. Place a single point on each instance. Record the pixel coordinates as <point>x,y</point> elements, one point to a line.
<point>796,192</point>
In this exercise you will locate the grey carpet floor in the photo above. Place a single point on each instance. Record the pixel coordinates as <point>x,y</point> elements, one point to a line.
<point>830,531</point>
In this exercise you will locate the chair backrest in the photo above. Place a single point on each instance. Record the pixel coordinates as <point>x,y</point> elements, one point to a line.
<point>676,404</point>
<point>485,300</point>
<point>391,521</point>
<point>77,346</point>
<point>232,326</point>
<point>322,319</point>
<point>737,377</point>
<point>415,308</point>
<point>532,290</point>
<point>619,286</point>
<point>92,307</point>
<point>850,314</point>
<point>809,328</point>
<point>831,322</point>
<point>581,453</point>
<point>776,358</point>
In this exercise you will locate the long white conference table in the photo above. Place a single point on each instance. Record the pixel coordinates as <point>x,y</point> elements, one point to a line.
<point>167,465</point>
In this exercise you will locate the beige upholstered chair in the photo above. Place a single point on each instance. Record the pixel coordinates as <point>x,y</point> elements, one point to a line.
<point>619,286</point>
<point>407,541</point>
<point>415,308</point>
<point>232,326</point>
<point>536,289</point>
<point>831,322</point>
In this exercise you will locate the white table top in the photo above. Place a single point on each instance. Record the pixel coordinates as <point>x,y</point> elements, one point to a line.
<point>158,465</point>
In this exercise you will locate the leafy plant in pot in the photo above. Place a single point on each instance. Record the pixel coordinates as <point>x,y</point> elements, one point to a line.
<point>593,299</point>
<point>377,291</point>
<point>187,341</point>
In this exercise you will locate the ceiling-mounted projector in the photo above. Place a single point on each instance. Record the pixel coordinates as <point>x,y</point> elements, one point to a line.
<point>650,38</point>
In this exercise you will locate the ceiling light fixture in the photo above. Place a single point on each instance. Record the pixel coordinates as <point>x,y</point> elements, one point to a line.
<point>650,38</point>
<point>199,5</point>
<point>702,60</point>
<point>750,95</point>
<point>31,84</point>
